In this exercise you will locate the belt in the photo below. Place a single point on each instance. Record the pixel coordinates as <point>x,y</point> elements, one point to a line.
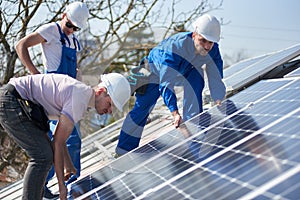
<point>11,89</point>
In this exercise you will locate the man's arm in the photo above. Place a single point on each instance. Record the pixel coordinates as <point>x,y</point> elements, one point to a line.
<point>62,132</point>
<point>168,58</point>
<point>68,165</point>
<point>214,71</point>
<point>23,53</point>
<point>215,54</point>
<point>166,89</point>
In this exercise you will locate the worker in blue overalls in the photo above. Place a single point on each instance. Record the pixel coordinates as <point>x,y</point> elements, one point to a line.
<point>177,60</point>
<point>59,48</point>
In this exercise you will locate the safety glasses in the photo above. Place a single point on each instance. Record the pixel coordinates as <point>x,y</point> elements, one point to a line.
<point>70,25</point>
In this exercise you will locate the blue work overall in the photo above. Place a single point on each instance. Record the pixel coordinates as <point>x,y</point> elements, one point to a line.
<point>173,63</point>
<point>68,65</point>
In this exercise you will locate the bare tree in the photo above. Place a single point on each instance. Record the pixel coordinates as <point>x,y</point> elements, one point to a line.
<point>111,22</point>
<point>109,37</point>
<point>125,18</point>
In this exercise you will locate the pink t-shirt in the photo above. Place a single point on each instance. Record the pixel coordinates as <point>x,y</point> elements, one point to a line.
<point>57,93</point>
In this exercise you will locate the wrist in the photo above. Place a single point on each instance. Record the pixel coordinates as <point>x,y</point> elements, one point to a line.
<point>174,113</point>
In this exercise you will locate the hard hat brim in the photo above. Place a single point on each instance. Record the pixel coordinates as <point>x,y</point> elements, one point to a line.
<point>210,38</point>
<point>75,22</point>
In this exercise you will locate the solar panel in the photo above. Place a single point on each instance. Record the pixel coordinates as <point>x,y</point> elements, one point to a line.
<point>243,73</point>
<point>231,70</point>
<point>295,73</point>
<point>248,148</point>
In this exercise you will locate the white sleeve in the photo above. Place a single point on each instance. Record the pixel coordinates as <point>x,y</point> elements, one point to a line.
<point>49,32</point>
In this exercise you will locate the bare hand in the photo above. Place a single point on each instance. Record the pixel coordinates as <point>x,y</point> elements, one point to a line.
<point>67,176</point>
<point>218,102</point>
<point>63,192</point>
<point>69,172</point>
<point>177,120</point>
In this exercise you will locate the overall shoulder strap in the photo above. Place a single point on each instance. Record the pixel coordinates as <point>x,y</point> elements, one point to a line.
<point>76,43</point>
<point>63,36</point>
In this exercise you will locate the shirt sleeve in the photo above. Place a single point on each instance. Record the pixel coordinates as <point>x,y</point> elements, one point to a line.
<point>48,32</point>
<point>217,59</point>
<point>78,103</point>
<point>169,65</point>
<point>214,71</point>
<point>168,57</point>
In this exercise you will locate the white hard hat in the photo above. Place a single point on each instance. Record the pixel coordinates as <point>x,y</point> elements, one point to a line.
<point>208,27</point>
<point>78,13</point>
<point>117,87</point>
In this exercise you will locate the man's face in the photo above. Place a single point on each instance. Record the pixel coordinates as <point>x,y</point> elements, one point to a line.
<point>103,103</point>
<point>67,26</point>
<point>202,45</point>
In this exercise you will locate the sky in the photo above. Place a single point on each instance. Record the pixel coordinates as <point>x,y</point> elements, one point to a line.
<point>257,27</point>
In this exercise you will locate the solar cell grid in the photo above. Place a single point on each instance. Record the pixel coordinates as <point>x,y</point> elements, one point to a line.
<point>247,74</point>
<point>239,150</point>
<point>241,65</point>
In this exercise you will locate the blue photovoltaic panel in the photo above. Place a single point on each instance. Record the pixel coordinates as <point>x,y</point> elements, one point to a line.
<point>235,68</point>
<point>243,74</point>
<point>247,148</point>
<point>295,73</point>
<point>231,70</point>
